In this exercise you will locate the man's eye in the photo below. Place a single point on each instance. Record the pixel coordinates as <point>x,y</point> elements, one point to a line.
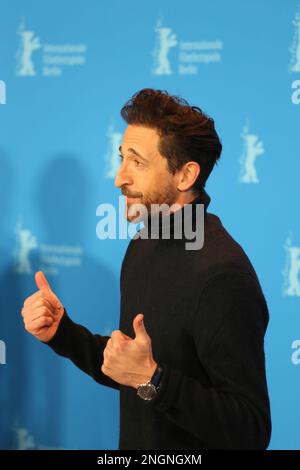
<point>137,162</point>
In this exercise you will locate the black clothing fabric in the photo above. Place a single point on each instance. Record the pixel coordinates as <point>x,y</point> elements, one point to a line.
<point>206,315</point>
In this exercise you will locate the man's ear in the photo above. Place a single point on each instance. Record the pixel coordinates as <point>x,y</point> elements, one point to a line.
<point>188,175</point>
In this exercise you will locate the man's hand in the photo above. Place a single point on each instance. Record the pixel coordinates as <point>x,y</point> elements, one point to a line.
<point>42,311</point>
<point>129,361</point>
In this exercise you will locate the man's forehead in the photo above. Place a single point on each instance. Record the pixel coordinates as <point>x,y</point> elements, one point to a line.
<point>141,139</point>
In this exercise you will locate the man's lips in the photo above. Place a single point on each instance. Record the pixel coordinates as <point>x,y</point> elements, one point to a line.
<point>131,199</point>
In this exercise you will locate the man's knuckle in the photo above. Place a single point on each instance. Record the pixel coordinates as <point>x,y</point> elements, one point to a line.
<point>45,320</point>
<point>27,301</point>
<point>44,310</point>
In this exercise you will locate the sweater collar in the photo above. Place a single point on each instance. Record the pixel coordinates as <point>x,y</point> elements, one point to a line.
<point>160,225</point>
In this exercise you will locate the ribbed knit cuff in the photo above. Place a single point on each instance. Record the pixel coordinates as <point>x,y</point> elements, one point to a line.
<point>168,388</point>
<point>58,342</point>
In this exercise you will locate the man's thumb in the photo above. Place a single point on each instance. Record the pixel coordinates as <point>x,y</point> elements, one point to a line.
<point>44,286</point>
<point>41,281</point>
<point>138,326</point>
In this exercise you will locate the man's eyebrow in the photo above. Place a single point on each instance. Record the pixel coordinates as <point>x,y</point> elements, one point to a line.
<point>134,152</point>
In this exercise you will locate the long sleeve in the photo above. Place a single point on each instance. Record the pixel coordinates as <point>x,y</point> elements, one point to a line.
<point>83,348</point>
<point>232,412</point>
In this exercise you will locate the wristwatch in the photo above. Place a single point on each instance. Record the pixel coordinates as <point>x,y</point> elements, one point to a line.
<point>148,390</point>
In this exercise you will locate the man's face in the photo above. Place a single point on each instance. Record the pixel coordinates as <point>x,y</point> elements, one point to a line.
<point>143,176</point>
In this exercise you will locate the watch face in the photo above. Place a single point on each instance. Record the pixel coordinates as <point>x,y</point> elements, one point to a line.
<point>147,391</point>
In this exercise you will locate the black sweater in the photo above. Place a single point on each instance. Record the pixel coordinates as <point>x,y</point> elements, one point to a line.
<point>206,315</point>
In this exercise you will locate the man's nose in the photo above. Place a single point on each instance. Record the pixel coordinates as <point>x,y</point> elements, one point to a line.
<point>122,178</point>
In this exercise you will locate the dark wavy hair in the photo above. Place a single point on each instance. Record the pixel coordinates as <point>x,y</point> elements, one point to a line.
<point>186,132</point>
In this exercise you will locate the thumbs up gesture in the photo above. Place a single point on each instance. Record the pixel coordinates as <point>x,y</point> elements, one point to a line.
<point>42,311</point>
<point>129,361</point>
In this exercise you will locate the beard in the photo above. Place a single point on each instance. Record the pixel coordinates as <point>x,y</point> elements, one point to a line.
<point>139,210</point>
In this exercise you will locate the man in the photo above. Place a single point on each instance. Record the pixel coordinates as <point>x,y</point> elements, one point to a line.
<point>188,357</point>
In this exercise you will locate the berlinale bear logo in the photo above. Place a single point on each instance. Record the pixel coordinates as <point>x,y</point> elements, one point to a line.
<point>252,148</point>
<point>292,269</point>
<point>28,44</point>
<point>166,40</point>
<point>295,48</point>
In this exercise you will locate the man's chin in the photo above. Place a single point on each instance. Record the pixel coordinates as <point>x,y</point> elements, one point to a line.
<point>134,215</point>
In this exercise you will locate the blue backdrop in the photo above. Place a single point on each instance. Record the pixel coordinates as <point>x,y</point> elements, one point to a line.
<point>66,68</point>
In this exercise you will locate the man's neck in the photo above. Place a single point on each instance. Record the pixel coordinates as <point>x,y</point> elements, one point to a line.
<point>186,198</point>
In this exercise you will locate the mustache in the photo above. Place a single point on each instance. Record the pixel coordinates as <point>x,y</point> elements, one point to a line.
<point>126,193</point>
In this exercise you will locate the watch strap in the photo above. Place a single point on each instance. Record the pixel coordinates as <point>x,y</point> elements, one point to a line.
<point>156,377</point>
